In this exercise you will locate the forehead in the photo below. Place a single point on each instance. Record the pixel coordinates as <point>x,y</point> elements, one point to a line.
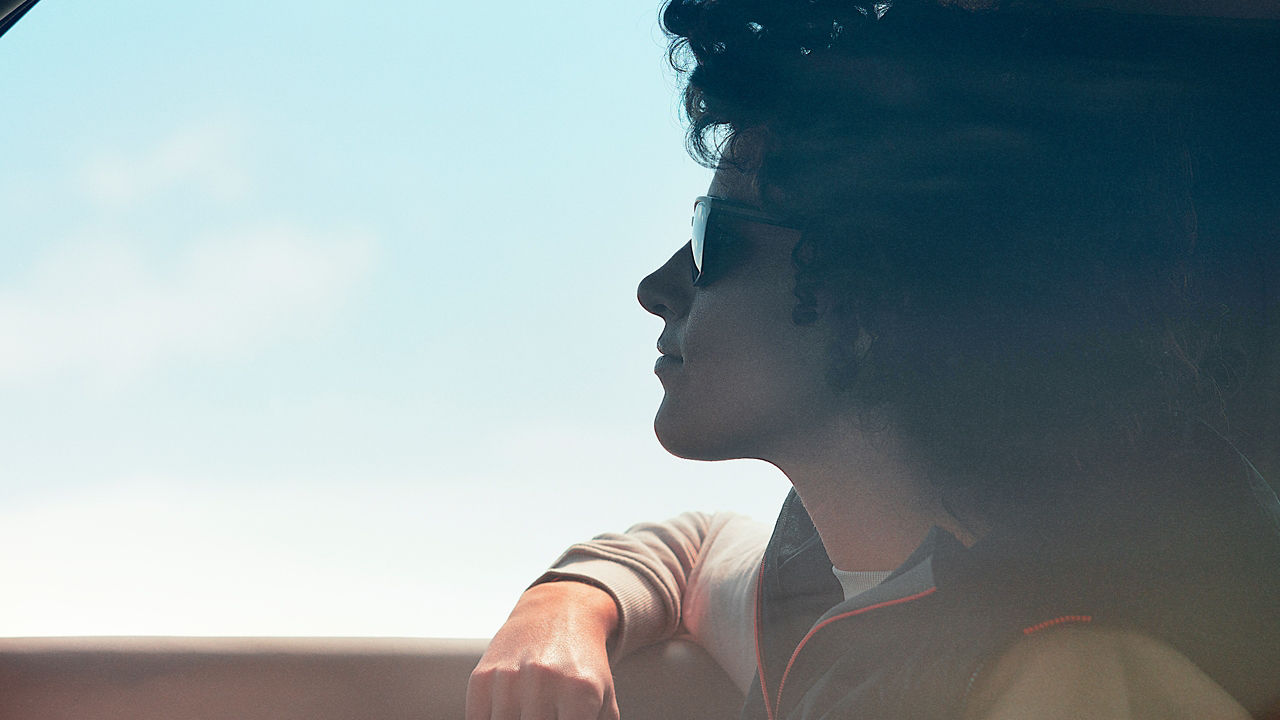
<point>735,178</point>
<point>731,183</point>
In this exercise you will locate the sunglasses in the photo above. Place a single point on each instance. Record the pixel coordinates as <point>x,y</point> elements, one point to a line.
<point>11,11</point>
<point>709,232</point>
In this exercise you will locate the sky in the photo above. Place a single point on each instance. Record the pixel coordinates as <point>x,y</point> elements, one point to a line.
<point>322,321</point>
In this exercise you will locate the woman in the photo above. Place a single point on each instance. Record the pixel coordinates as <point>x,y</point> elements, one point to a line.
<point>989,282</point>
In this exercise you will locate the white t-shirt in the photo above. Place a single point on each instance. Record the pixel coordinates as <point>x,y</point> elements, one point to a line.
<point>856,582</point>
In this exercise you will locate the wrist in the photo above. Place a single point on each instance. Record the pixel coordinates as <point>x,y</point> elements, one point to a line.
<point>587,606</point>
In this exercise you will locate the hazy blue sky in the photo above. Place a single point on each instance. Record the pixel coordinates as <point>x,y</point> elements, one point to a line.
<point>319,318</point>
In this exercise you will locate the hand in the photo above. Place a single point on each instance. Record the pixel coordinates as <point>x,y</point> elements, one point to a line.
<point>549,661</point>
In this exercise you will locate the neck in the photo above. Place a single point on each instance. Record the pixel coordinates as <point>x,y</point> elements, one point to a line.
<point>871,507</point>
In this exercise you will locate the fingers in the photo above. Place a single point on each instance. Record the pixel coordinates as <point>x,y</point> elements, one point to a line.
<point>582,698</point>
<point>535,692</point>
<point>510,703</point>
<point>610,709</point>
<point>478,697</point>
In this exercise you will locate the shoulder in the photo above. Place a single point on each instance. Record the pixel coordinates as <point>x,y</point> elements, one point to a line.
<point>1098,673</point>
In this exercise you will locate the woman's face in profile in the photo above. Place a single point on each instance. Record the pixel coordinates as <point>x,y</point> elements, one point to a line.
<point>741,379</point>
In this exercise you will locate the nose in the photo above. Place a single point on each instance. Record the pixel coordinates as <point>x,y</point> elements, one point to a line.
<point>665,292</point>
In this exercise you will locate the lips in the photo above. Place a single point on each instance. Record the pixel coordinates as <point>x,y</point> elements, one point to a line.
<point>667,352</point>
<point>668,360</point>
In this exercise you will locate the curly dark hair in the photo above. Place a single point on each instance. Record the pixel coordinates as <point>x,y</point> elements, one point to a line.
<point>1040,233</point>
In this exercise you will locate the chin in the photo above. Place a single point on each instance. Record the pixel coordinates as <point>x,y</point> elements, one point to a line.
<point>692,440</point>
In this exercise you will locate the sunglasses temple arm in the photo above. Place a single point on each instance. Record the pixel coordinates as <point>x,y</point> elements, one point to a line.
<point>11,11</point>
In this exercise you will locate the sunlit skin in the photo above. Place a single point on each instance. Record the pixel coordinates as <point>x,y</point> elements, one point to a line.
<point>742,380</point>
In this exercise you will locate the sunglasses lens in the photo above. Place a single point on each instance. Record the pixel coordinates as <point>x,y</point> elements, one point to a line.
<point>701,213</point>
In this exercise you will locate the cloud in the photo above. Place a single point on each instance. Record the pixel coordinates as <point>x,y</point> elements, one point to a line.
<point>122,293</point>
<point>202,158</point>
<point>112,312</point>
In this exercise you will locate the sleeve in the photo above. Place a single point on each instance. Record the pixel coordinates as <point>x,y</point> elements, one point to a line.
<point>693,573</point>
